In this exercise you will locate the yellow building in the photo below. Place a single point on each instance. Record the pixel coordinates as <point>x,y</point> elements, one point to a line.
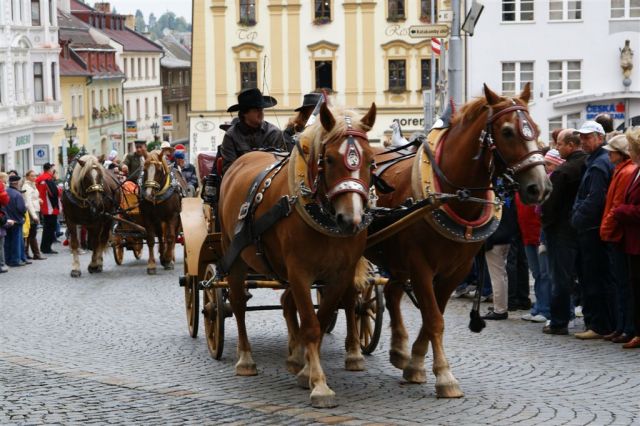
<point>73,92</point>
<point>361,50</point>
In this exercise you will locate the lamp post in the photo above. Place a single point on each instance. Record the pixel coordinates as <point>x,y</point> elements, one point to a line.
<point>70,132</point>
<point>155,128</point>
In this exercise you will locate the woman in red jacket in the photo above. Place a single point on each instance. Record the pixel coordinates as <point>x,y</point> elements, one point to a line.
<point>611,233</point>
<point>627,214</point>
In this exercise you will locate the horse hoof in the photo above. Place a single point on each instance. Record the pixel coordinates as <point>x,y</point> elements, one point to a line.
<point>95,269</point>
<point>294,367</point>
<point>354,363</point>
<point>302,379</point>
<point>323,398</point>
<point>168,266</point>
<point>398,359</point>
<point>414,375</point>
<point>246,369</point>
<point>451,390</point>
<point>75,273</point>
<point>151,271</point>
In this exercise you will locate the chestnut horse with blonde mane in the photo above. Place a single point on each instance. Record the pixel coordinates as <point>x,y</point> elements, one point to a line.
<point>160,204</point>
<point>338,159</point>
<point>436,264</point>
<point>90,199</point>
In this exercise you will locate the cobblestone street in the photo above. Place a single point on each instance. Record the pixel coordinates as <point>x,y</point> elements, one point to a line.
<point>114,348</point>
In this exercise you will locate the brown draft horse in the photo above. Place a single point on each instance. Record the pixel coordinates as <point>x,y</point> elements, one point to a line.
<point>338,156</point>
<point>89,199</point>
<point>160,204</point>
<point>436,264</point>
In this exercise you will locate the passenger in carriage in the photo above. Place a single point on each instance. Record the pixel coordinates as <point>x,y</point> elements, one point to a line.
<point>296,124</point>
<point>132,164</point>
<point>187,170</point>
<point>251,132</point>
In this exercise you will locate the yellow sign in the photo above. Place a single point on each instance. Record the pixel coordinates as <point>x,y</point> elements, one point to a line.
<point>429,31</point>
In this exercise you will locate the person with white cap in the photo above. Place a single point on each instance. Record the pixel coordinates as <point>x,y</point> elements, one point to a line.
<point>611,232</point>
<point>586,218</point>
<point>111,158</point>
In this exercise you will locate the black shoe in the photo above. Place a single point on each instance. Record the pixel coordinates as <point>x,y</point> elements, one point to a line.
<point>27,262</point>
<point>15,265</point>
<point>50,252</point>
<point>561,331</point>
<point>495,316</point>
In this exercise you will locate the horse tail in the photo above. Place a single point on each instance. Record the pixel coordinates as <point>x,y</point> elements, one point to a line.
<point>361,278</point>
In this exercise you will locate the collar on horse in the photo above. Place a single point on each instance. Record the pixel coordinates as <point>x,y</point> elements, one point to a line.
<point>164,193</point>
<point>306,173</point>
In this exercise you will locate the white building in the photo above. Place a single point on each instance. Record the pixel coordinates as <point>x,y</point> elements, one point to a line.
<point>139,58</point>
<point>30,109</point>
<point>569,50</point>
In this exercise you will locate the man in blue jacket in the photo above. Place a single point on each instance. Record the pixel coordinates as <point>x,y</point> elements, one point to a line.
<point>585,218</point>
<point>15,211</point>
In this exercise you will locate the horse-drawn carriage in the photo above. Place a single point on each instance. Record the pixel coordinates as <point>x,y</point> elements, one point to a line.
<point>128,231</point>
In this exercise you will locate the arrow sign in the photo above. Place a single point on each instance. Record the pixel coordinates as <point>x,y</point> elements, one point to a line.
<point>429,31</point>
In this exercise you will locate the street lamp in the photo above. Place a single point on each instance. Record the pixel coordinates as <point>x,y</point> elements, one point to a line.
<point>70,133</point>
<point>155,128</point>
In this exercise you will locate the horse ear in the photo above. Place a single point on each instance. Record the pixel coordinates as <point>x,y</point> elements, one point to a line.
<point>492,98</point>
<point>526,93</point>
<point>370,117</point>
<point>326,118</point>
<point>81,162</point>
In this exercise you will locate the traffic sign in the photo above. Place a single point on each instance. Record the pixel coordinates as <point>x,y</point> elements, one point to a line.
<point>429,31</point>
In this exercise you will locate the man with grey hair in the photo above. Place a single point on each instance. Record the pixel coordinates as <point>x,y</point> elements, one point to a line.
<point>561,237</point>
<point>586,218</point>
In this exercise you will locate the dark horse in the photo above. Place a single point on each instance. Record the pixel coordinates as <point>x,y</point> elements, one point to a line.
<point>160,204</point>
<point>328,173</point>
<point>90,199</point>
<point>435,260</point>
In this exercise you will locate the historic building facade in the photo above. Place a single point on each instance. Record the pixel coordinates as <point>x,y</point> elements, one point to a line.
<point>30,107</point>
<point>361,51</point>
<point>570,51</point>
<point>175,76</point>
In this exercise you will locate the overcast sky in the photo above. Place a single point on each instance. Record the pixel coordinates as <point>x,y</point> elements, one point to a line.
<point>125,7</point>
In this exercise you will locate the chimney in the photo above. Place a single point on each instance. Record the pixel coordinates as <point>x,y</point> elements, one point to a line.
<point>103,6</point>
<point>130,22</point>
<point>65,6</point>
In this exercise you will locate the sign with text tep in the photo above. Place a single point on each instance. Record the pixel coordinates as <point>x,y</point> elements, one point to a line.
<point>429,31</point>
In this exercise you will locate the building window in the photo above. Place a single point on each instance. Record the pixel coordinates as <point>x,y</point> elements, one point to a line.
<point>517,10</point>
<point>322,10</point>
<point>53,81</point>
<point>52,13</point>
<point>146,108</point>
<point>126,67</point>
<point>35,13</point>
<point>93,100</point>
<point>138,109</point>
<point>153,67</point>
<point>146,68</point>
<point>128,109</point>
<point>140,68</point>
<point>569,121</point>
<point>425,10</point>
<point>515,75</point>
<point>565,10</point>
<point>80,106</point>
<point>38,82</point>
<point>397,75</point>
<point>248,75</point>
<point>625,9</point>
<point>425,73</point>
<point>324,75</point>
<point>155,106</point>
<point>247,12</point>
<point>395,10</point>
<point>564,77</point>
<point>74,111</point>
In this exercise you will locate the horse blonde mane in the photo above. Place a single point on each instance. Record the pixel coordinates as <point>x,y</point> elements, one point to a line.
<point>156,156</point>
<point>470,111</point>
<point>318,135</point>
<point>80,171</point>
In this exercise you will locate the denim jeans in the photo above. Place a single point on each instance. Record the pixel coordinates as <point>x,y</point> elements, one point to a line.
<point>623,305</point>
<point>539,266</point>
<point>562,254</point>
<point>2,261</point>
<point>14,245</point>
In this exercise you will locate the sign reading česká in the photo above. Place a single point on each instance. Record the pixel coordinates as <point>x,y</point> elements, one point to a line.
<point>429,31</point>
<point>615,110</point>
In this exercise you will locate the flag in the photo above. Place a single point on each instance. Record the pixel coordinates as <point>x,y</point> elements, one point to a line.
<point>435,46</point>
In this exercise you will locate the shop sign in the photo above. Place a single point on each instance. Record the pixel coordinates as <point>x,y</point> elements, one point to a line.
<point>615,110</point>
<point>167,121</point>
<point>40,155</point>
<point>23,140</point>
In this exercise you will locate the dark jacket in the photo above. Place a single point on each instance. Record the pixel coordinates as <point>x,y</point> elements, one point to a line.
<point>628,215</point>
<point>508,229</point>
<point>288,133</point>
<point>134,163</point>
<point>592,193</point>
<point>16,208</point>
<point>189,175</point>
<point>240,139</point>
<point>556,211</point>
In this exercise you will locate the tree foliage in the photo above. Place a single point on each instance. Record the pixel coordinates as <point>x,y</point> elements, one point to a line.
<point>141,25</point>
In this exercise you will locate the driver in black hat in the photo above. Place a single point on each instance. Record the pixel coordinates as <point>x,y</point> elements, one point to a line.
<point>297,123</point>
<point>251,132</point>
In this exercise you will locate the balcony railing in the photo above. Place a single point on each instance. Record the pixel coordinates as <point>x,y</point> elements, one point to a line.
<point>46,111</point>
<point>176,93</point>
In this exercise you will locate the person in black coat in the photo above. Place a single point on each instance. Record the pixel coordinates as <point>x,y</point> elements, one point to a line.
<point>15,212</point>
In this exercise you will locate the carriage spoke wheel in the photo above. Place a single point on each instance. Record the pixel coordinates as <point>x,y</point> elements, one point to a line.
<point>118,253</point>
<point>369,313</point>
<point>191,299</point>
<point>214,313</point>
<point>334,317</point>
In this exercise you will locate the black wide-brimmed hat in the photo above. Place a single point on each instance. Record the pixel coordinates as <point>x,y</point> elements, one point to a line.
<point>252,98</point>
<point>309,100</point>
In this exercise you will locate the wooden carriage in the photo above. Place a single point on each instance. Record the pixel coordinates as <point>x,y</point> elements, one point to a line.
<point>128,231</point>
<point>203,248</point>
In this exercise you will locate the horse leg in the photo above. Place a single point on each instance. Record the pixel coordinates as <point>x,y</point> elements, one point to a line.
<point>295,360</point>
<point>170,232</point>
<point>73,243</point>
<point>245,365</point>
<point>399,352</point>
<point>310,336</point>
<point>151,238</point>
<point>354,361</point>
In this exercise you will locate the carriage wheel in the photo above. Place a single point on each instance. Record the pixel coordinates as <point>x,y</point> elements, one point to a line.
<point>137,251</point>
<point>191,297</point>
<point>214,314</point>
<point>118,253</point>
<point>334,318</point>
<point>369,313</point>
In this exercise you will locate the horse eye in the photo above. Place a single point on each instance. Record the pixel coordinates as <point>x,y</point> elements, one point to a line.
<point>508,132</point>
<point>329,160</point>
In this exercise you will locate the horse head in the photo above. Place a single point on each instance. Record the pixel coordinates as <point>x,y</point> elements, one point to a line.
<point>155,175</point>
<point>340,165</point>
<point>88,183</point>
<point>511,134</point>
